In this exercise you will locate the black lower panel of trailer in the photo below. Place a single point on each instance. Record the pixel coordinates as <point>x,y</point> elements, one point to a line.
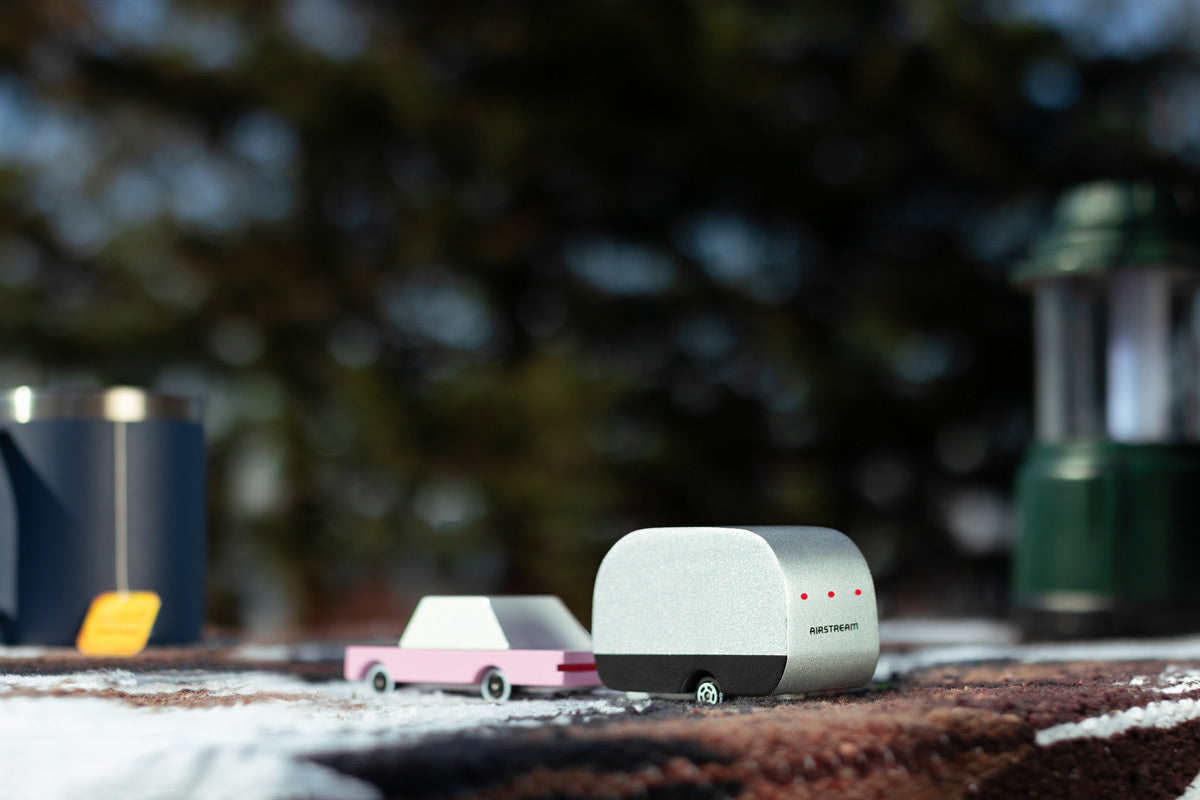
<point>666,674</point>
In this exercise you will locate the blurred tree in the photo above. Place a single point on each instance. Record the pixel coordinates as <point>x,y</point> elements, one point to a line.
<point>475,288</point>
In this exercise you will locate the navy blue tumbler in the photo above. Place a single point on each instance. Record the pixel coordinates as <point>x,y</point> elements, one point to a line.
<point>100,491</point>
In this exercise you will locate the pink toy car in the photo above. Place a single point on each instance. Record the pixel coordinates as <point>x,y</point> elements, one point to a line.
<point>495,643</point>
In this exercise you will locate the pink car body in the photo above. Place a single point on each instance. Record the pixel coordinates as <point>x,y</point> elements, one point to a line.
<point>493,643</point>
<point>551,668</point>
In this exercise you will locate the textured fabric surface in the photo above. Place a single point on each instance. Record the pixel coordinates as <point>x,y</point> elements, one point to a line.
<point>1127,728</point>
<point>993,729</point>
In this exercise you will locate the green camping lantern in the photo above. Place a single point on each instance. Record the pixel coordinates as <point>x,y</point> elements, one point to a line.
<point>1109,493</point>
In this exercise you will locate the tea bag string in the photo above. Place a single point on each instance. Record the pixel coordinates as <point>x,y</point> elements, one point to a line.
<point>120,505</point>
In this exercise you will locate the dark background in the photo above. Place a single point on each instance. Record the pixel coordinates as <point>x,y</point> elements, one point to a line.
<point>471,289</point>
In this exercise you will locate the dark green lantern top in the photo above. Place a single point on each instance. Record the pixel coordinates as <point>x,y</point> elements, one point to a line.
<point>1107,225</point>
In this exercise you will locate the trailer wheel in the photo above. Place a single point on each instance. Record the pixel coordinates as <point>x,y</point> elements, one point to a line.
<point>708,692</point>
<point>379,679</point>
<point>495,686</point>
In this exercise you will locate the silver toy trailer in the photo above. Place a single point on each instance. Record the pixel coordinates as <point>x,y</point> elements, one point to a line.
<point>738,611</point>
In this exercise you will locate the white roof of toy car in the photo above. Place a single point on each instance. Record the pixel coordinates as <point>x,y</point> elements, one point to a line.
<point>537,622</point>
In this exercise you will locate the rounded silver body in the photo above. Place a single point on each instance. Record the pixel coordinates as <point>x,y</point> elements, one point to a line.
<point>764,610</point>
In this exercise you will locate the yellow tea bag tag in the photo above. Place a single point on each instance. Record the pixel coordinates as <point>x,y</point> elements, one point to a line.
<point>118,623</point>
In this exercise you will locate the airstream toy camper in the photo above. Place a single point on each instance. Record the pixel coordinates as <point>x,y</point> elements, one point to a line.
<point>734,611</point>
<point>493,643</point>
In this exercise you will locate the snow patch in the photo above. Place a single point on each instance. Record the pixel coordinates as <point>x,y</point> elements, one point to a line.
<point>1162,714</point>
<point>23,651</point>
<point>60,748</point>
<point>926,631</point>
<point>1179,681</point>
<point>1182,648</point>
<point>1192,792</point>
<point>1172,680</point>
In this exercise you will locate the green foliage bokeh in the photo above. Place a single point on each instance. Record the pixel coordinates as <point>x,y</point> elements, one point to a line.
<point>475,288</point>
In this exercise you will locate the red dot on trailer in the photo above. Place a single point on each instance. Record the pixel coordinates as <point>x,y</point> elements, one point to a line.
<point>858,591</point>
<point>831,594</point>
<point>804,596</point>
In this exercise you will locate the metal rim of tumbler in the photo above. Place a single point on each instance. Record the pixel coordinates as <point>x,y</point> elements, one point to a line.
<point>116,404</point>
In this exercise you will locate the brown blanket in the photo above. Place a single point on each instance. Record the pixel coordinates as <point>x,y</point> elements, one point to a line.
<point>959,731</point>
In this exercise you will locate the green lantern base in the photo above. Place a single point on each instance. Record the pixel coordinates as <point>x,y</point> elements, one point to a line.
<point>1110,540</point>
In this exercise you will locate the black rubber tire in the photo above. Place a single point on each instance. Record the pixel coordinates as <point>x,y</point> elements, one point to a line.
<point>379,679</point>
<point>495,686</point>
